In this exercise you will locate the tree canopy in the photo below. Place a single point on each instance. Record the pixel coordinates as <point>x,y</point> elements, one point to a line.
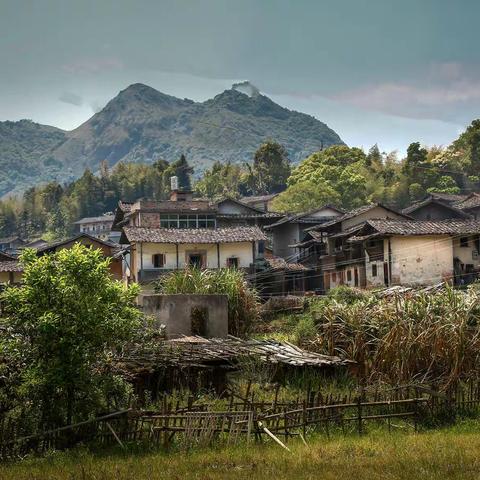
<point>63,323</point>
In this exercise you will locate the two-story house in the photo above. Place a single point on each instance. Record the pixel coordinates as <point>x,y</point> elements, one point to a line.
<point>325,250</point>
<point>181,232</point>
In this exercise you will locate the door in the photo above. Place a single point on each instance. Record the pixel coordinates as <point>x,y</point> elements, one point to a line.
<point>195,260</point>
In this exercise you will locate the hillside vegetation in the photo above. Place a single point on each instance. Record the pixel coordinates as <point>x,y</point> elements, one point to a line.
<point>144,125</point>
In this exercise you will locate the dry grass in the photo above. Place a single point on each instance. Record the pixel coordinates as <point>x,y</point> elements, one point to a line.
<point>447,454</point>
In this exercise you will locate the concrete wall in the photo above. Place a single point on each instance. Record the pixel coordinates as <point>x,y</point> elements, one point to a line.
<point>241,250</point>
<point>175,311</point>
<point>420,260</point>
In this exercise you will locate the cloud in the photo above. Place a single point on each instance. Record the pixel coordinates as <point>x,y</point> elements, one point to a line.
<point>447,91</point>
<point>93,65</point>
<point>72,98</point>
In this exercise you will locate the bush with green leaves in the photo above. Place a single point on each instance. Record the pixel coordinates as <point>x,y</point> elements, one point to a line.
<point>61,328</point>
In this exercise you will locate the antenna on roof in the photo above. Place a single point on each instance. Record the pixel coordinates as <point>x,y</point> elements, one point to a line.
<point>174,183</point>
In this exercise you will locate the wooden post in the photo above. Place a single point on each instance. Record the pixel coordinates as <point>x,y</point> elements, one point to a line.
<point>176,248</point>
<point>218,255</point>
<point>359,412</point>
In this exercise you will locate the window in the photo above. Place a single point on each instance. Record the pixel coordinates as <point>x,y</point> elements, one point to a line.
<point>464,241</point>
<point>158,260</point>
<point>349,275</point>
<point>374,270</point>
<point>232,262</point>
<point>187,221</point>
<point>261,247</point>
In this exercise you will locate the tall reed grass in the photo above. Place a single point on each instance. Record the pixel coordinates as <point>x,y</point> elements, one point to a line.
<point>418,337</point>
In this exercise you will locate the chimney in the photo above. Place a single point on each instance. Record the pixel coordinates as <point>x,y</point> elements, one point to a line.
<point>176,195</point>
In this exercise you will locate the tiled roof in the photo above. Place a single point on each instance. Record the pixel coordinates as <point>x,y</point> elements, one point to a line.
<point>77,238</point>
<point>103,218</point>
<point>277,263</point>
<point>353,213</point>
<point>429,201</point>
<point>306,217</point>
<point>425,227</point>
<point>10,266</point>
<point>192,235</point>
<point>259,198</point>
<point>448,197</point>
<point>249,215</point>
<point>11,239</point>
<point>174,206</point>
<point>472,201</point>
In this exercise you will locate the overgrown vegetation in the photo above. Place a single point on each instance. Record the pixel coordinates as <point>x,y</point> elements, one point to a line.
<point>58,332</point>
<point>243,301</point>
<point>399,339</point>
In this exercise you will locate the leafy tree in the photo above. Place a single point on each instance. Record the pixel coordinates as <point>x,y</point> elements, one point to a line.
<point>305,196</point>
<point>445,184</point>
<point>342,168</point>
<point>270,170</point>
<point>222,180</point>
<point>63,322</point>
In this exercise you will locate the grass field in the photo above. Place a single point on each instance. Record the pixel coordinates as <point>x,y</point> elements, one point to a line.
<point>443,454</point>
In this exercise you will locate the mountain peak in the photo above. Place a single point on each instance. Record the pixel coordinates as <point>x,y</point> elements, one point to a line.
<point>142,124</point>
<point>247,88</point>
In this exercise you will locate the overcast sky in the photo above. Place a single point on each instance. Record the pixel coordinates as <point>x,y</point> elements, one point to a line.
<point>385,71</point>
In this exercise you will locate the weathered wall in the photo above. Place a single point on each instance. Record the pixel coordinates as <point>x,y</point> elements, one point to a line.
<point>420,260</point>
<point>175,311</point>
<point>379,279</point>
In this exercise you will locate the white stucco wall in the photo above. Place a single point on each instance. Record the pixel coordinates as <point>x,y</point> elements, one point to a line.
<point>420,260</point>
<point>240,250</point>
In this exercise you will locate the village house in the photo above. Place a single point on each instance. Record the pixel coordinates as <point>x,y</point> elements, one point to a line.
<point>99,227</point>
<point>470,205</point>
<point>10,270</point>
<point>432,208</point>
<point>332,261</point>
<point>290,229</point>
<point>109,250</point>
<point>416,253</point>
<point>180,232</point>
<point>11,245</point>
<point>262,202</point>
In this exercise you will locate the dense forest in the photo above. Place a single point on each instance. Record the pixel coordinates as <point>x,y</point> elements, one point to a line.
<point>338,175</point>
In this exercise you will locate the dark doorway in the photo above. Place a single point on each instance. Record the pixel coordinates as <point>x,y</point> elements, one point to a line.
<point>195,260</point>
<point>199,321</point>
